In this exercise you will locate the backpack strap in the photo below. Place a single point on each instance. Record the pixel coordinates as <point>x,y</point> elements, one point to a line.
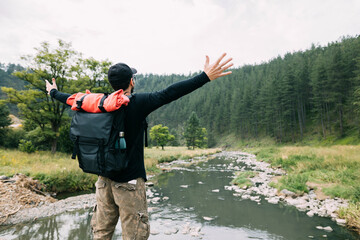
<point>146,132</point>
<point>80,102</point>
<point>101,158</point>
<point>101,105</point>
<point>76,148</point>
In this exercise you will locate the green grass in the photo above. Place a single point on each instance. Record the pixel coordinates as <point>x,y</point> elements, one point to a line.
<point>60,173</point>
<point>295,183</point>
<point>242,179</point>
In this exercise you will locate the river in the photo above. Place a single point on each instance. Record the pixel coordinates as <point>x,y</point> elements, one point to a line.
<point>192,203</point>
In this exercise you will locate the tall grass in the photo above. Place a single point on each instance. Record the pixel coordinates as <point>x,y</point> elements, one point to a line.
<point>60,173</point>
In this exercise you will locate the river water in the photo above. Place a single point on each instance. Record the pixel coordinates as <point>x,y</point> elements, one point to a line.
<point>192,203</point>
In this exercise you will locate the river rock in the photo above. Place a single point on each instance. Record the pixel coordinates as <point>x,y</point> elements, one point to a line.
<point>149,184</point>
<point>149,193</point>
<point>245,196</point>
<point>154,232</point>
<point>340,221</point>
<point>171,231</point>
<point>288,193</point>
<point>152,209</point>
<point>255,198</point>
<point>208,218</point>
<point>328,229</point>
<point>3,177</point>
<point>165,198</point>
<point>155,200</point>
<point>274,200</point>
<point>310,213</point>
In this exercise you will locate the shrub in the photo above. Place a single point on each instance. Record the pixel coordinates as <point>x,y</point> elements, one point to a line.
<point>67,181</point>
<point>64,142</point>
<point>168,159</point>
<point>26,146</point>
<point>12,137</point>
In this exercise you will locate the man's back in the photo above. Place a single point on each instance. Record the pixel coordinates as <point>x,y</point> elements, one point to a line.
<point>139,107</point>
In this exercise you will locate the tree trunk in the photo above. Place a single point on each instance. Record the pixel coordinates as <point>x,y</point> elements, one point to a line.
<point>341,121</point>
<point>328,117</point>
<point>300,120</point>
<point>303,111</point>
<point>322,125</point>
<point>53,146</point>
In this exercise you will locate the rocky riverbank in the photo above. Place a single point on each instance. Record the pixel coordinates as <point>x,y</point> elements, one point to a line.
<point>309,202</point>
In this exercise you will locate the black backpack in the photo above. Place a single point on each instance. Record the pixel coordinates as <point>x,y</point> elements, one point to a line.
<point>96,139</point>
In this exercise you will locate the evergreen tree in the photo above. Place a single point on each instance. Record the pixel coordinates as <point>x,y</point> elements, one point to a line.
<point>5,121</point>
<point>194,134</point>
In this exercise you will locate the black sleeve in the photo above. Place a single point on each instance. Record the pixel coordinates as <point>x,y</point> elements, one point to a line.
<point>152,101</point>
<point>62,97</point>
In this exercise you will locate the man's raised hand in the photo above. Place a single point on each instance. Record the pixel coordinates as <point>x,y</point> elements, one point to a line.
<point>50,86</point>
<point>217,69</point>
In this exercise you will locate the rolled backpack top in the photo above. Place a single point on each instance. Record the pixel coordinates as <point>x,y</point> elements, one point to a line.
<point>97,102</point>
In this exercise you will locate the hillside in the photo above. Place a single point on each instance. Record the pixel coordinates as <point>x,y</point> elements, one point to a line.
<point>303,95</point>
<point>8,80</point>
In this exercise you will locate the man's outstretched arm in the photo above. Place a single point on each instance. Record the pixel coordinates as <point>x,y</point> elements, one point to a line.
<point>54,93</point>
<point>154,100</point>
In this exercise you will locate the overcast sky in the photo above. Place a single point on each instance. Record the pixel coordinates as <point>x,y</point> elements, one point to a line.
<point>173,36</point>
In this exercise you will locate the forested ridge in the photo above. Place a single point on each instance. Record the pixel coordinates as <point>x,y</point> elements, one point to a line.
<point>8,80</point>
<point>313,92</point>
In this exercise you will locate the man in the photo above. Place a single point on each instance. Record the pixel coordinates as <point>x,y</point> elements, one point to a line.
<point>125,195</point>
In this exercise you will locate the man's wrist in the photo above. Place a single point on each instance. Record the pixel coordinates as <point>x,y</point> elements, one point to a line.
<point>52,92</point>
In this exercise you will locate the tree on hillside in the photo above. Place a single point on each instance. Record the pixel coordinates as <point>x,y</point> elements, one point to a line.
<point>43,114</point>
<point>5,121</point>
<point>160,134</point>
<point>194,134</point>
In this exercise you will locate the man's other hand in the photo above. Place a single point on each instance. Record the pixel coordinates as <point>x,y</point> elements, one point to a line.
<point>50,86</point>
<point>217,69</point>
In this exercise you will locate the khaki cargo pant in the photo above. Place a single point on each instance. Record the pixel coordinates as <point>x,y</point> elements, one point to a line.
<point>126,200</point>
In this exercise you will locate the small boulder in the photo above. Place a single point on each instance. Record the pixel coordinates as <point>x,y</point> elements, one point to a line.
<point>328,229</point>
<point>288,193</point>
<point>340,221</point>
<point>208,218</point>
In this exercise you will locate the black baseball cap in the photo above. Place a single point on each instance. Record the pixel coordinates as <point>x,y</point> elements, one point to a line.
<point>120,72</point>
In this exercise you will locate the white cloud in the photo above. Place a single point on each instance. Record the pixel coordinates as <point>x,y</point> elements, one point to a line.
<point>173,36</point>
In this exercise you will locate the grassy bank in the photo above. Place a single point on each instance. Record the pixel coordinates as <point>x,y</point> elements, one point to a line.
<point>60,173</point>
<point>332,171</point>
